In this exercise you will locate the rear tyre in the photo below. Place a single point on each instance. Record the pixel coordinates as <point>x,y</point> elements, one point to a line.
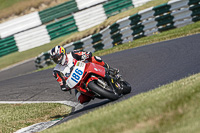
<point>102,92</point>
<point>126,88</point>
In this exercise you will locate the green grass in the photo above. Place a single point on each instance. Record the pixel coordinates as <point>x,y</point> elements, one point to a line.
<point>173,108</point>
<point>8,3</point>
<point>16,116</point>
<point>10,9</point>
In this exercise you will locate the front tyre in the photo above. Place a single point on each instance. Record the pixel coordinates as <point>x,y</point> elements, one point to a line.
<point>126,87</point>
<point>102,92</point>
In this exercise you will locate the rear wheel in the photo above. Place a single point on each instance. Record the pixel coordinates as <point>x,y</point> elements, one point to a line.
<point>102,92</point>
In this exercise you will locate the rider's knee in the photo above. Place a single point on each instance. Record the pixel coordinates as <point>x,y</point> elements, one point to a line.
<point>83,99</point>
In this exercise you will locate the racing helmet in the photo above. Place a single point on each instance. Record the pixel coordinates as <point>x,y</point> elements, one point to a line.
<point>58,55</point>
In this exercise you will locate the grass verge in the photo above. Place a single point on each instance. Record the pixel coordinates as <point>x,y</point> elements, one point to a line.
<point>11,8</point>
<point>173,108</point>
<point>16,116</point>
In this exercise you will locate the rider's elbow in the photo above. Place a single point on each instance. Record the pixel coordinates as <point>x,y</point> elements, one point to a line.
<point>65,87</point>
<point>55,74</point>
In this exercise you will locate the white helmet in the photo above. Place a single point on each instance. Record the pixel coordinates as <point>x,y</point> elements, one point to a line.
<point>58,55</point>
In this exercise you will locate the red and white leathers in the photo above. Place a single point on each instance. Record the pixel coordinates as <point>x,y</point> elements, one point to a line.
<point>62,72</point>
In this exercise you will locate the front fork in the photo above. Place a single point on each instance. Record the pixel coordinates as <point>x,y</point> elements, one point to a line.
<point>111,80</point>
<point>113,83</point>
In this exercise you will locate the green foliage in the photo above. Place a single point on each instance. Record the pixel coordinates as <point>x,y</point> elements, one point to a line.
<point>7,3</point>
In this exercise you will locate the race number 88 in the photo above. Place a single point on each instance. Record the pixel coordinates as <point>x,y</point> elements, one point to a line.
<point>76,76</point>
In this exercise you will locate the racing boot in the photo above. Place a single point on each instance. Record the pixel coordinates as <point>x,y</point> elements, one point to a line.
<point>112,71</point>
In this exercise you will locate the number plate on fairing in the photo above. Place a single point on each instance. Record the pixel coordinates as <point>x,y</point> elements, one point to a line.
<point>76,75</point>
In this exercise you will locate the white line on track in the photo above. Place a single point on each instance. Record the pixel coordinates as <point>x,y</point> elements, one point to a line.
<point>70,103</point>
<point>37,127</point>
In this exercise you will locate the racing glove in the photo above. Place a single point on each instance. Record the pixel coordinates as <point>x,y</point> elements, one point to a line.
<point>86,55</point>
<point>61,81</point>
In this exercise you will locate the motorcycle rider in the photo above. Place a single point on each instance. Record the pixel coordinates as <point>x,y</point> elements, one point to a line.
<point>65,64</point>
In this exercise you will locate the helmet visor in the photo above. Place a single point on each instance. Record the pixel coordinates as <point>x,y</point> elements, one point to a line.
<point>57,58</point>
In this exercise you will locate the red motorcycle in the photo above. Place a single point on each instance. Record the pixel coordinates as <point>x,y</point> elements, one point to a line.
<point>97,82</point>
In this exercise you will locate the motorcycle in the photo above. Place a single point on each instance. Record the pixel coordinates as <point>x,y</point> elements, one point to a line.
<point>96,81</point>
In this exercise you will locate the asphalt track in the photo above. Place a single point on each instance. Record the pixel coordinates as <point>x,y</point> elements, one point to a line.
<point>145,68</point>
<point>18,69</point>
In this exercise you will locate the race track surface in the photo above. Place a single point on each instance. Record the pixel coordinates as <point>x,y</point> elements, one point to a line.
<point>145,68</point>
<point>18,69</point>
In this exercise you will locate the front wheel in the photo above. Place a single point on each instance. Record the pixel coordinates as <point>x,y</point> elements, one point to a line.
<point>126,87</point>
<point>102,92</point>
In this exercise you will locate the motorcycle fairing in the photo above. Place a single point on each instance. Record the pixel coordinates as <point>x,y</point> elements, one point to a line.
<point>95,69</point>
<point>76,74</point>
